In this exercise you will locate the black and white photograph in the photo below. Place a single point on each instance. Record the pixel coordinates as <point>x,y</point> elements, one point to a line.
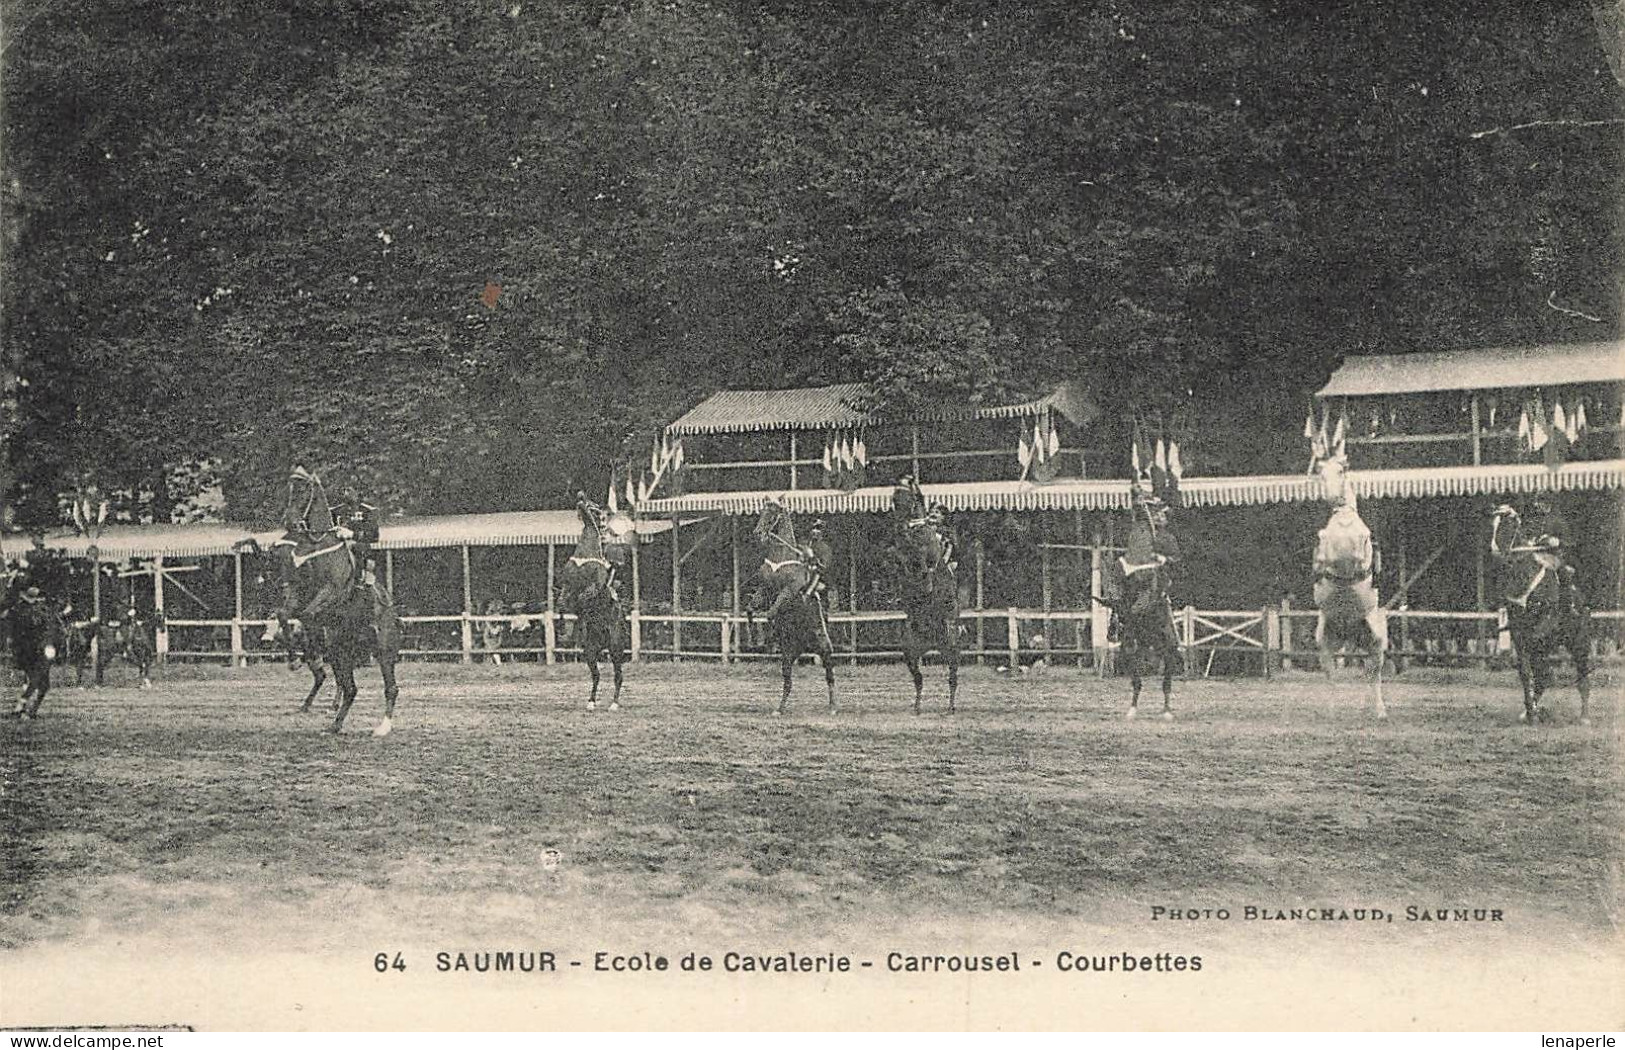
<point>812,515</point>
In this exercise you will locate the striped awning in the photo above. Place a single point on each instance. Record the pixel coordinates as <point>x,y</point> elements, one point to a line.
<point>823,407</point>
<point>1113,494</point>
<point>513,528</point>
<point>1501,368</point>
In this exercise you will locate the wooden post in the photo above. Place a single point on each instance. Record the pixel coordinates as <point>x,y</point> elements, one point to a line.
<point>1405,595</point>
<point>1287,637</point>
<point>468,609</point>
<point>677,578</point>
<point>161,634</point>
<point>1043,566</point>
<point>1099,615</point>
<point>793,459</point>
<point>389,572</point>
<point>914,451</point>
<point>1190,639</point>
<point>980,551</point>
<point>238,657</point>
<point>1478,454</point>
<point>1272,639</point>
<point>549,628</point>
<point>737,603</point>
<point>852,587</point>
<point>1012,633</point>
<point>637,602</point>
<point>95,605</point>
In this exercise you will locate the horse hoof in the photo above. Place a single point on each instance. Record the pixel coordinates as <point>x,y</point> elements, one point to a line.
<point>1585,721</point>
<point>592,705</point>
<point>383,728</point>
<point>613,706</point>
<point>1382,716</point>
<point>1132,713</point>
<point>1167,716</point>
<point>145,684</point>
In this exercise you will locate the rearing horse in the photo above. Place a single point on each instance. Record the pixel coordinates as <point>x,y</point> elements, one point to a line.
<point>587,583</point>
<point>928,590</point>
<point>795,616</point>
<point>322,593</point>
<point>1544,613</point>
<point>1145,617</point>
<point>1345,559</point>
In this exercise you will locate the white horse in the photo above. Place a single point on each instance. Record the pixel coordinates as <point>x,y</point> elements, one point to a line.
<point>1345,593</point>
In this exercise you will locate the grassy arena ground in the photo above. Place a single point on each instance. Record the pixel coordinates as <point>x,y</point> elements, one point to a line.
<point>207,820</point>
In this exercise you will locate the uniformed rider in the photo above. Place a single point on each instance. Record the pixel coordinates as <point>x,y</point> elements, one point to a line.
<point>358,521</point>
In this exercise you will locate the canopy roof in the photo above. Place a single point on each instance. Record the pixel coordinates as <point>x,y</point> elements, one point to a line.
<point>822,407</point>
<point>1112,494</point>
<point>510,528</point>
<point>1502,368</point>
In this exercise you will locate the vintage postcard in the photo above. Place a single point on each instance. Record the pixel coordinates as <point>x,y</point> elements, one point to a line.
<point>799,516</point>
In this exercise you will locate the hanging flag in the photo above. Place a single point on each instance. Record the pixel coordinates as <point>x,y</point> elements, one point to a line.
<point>1538,433</point>
<point>677,455</point>
<point>1309,425</point>
<point>1054,440</point>
<point>1580,426</point>
<point>1024,453</point>
<point>1572,430</point>
<point>862,451</point>
<point>1134,455</point>
<point>1493,406</point>
<point>1560,418</point>
<point>1339,448</point>
<point>631,492</point>
<point>1524,431</point>
<point>829,464</point>
<point>1175,468</point>
<point>643,491</point>
<point>613,500</point>
<point>1040,441</point>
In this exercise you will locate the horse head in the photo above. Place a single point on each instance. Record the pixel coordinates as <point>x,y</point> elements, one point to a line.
<point>1506,530</point>
<point>306,508</point>
<point>1337,485</point>
<point>906,498</point>
<point>773,522</point>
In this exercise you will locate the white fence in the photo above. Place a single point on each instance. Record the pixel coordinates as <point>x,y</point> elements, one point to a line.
<point>1226,641</point>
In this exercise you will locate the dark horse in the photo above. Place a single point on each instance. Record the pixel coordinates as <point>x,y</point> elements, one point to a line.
<point>928,590</point>
<point>587,583</point>
<point>348,621</point>
<point>37,641</point>
<point>1145,618</point>
<point>1544,612</point>
<point>793,612</point>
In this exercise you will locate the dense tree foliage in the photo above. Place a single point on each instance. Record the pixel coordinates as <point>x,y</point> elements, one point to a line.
<point>454,251</point>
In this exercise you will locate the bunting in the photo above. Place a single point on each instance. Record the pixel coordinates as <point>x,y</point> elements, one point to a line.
<point>665,464</point>
<point>845,459</point>
<point>1043,447</point>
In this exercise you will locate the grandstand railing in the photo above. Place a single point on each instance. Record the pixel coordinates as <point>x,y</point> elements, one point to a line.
<point>1214,642</point>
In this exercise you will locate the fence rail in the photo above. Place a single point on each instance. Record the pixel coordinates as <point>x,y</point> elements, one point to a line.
<point>1223,641</point>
